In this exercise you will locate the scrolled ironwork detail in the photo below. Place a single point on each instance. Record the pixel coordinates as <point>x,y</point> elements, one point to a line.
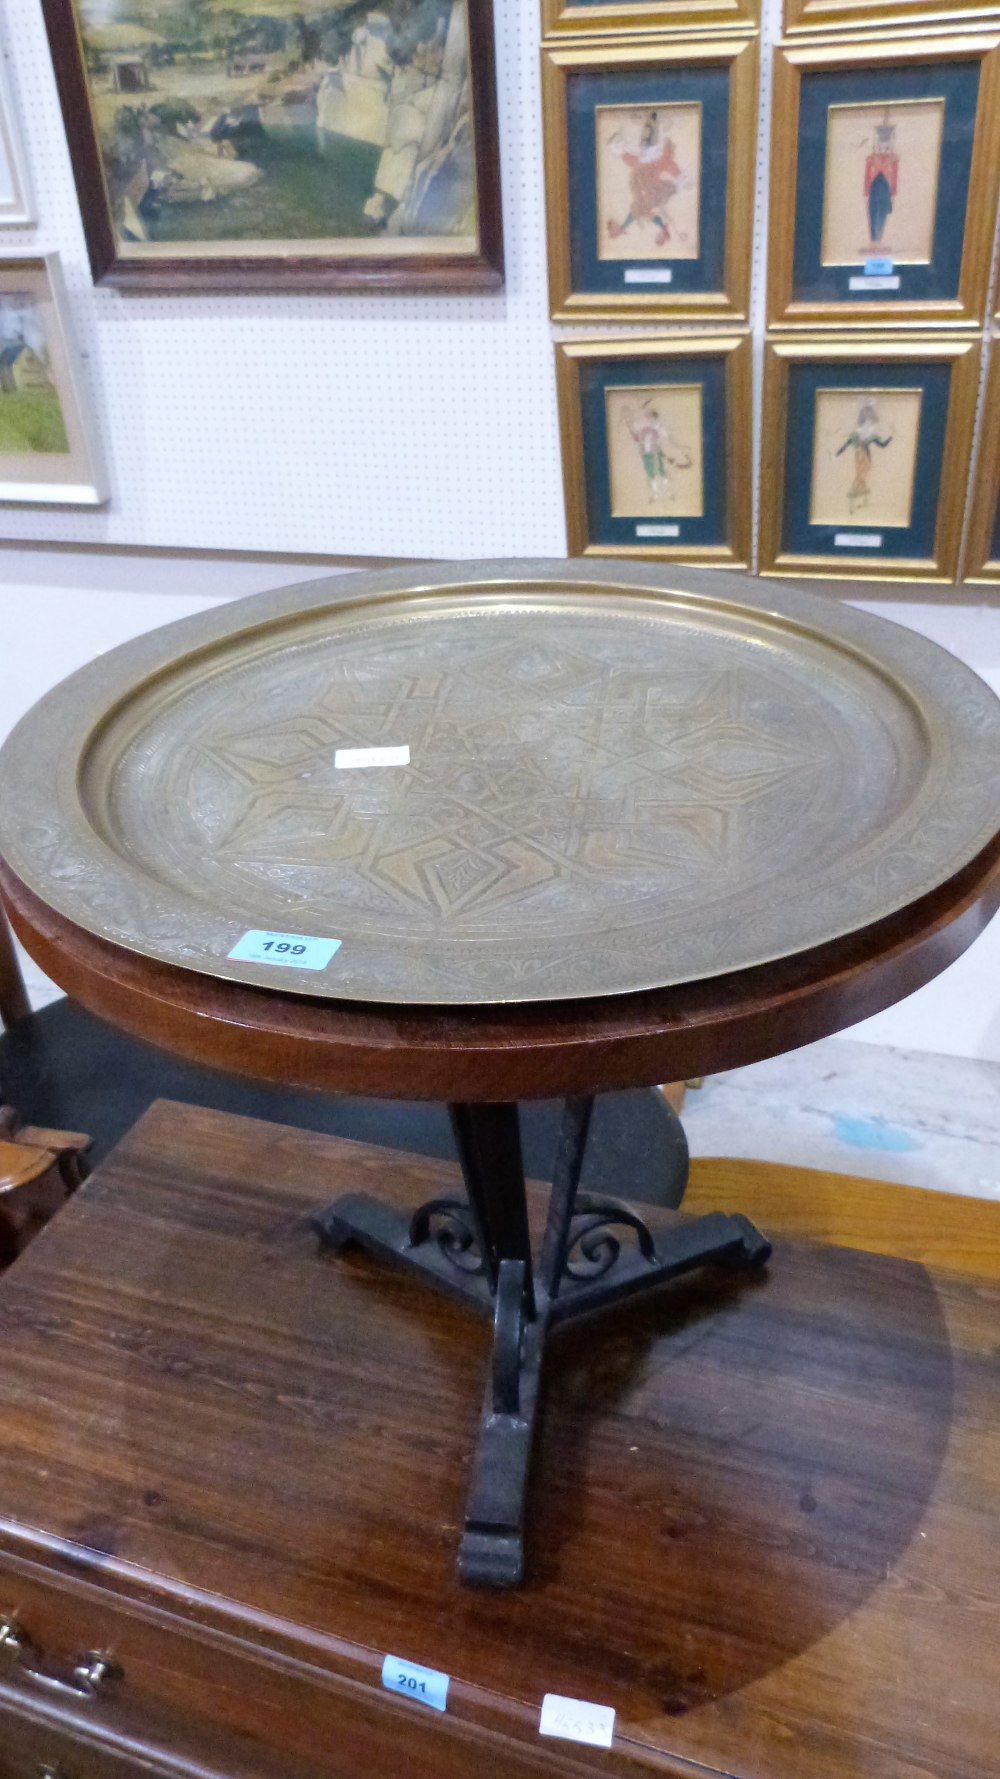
<point>592,1237</point>
<point>449,1223</point>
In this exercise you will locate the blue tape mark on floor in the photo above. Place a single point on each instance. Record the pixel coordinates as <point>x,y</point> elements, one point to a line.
<point>872,1133</point>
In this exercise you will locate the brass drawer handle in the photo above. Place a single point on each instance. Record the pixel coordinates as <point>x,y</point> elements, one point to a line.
<point>85,1680</point>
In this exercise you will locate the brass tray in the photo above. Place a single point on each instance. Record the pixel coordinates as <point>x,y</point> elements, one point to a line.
<point>620,777</point>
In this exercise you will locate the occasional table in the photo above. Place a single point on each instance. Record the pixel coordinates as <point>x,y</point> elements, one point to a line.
<point>551,829</point>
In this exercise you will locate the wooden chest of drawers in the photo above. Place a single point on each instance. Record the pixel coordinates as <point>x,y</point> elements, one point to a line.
<point>232,1470</point>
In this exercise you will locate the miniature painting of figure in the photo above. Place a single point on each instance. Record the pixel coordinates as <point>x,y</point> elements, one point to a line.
<point>301,124</point>
<point>882,168</point>
<point>648,181</point>
<point>864,456</point>
<point>31,417</point>
<point>655,451</point>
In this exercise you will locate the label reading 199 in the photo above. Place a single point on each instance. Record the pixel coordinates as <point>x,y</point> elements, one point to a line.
<point>424,1685</point>
<point>295,949</point>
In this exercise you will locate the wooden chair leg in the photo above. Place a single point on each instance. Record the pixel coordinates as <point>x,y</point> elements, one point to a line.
<point>14,1002</point>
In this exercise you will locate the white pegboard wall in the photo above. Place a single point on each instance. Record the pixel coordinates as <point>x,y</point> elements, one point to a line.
<point>359,425</point>
<point>378,426</point>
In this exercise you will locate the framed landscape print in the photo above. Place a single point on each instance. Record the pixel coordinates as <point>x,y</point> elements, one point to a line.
<point>48,452</point>
<point>884,180</point>
<point>649,158</point>
<point>577,17</point>
<point>982,547</point>
<point>656,447</point>
<point>16,204</point>
<point>865,458</point>
<point>270,143</point>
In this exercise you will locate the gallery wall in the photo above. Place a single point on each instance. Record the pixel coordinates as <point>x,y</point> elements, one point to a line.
<point>374,425</point>
<point>358,425</point>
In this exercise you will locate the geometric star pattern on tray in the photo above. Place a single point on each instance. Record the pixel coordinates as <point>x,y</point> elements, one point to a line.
<point>655,776</point>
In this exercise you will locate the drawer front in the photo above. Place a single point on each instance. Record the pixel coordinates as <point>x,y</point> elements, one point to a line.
<point>246,1712</point>
<point>37,1750</point>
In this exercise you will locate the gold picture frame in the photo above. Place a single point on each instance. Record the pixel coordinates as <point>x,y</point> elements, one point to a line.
<point>724,441</point>
<point>982,546</point>
<point>717,288</point>
<point>854,15</point>
<point>952,288</point>
<point>613,17</point>
<point>843,364</point>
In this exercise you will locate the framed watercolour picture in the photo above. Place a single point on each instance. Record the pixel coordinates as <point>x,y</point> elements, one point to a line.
<point>656,447</point>
<point>577,17</point>
<point>982,545</point>
<point>16,203</point>
<point>649,158</point>
<point>884,180</point>
<point>866,450</point>
<point>311,145</point>
<point>48,452</point>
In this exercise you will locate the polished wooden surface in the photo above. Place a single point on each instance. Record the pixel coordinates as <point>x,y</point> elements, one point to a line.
<point>767,1531</point>
<point>942,1230</point>
<point>531,1052</point>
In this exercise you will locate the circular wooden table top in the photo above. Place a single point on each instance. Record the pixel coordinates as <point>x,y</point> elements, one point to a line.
<point>537,1051</point>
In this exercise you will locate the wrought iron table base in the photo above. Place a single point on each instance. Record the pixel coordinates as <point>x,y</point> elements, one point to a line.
<point>479,1249</point>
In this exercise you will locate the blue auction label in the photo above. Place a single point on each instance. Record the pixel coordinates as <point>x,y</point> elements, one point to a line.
<point>425,1685</point>
<point>877,268</point>
<point>296,949</point>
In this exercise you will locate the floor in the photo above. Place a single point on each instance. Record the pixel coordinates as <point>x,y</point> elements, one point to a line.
<point>857,1108</point>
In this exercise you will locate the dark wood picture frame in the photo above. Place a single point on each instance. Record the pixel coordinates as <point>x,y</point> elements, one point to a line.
<point>482,270</point>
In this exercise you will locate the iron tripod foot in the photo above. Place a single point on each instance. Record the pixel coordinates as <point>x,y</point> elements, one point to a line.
<point>596,1252</point>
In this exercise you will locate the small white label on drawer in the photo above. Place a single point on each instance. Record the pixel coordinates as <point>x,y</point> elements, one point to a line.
<point>869,281</point>
<point>296,949</point>
<point>576,1721</point>
<point>657,531</point>
<point>371,756</point>
<point>648,275</point>
<point>857,540</point>
<point>424,1685</point>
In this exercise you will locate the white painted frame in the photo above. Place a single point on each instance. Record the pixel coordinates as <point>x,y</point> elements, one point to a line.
<point>78,476</point>
<point>17,203</point>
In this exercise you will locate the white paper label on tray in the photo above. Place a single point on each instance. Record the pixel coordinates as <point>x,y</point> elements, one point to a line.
<point>857,540</point>
<point>295,949</point>
<point>576,1721</point>
<point>371,756</point>
<point>648,275</point>
<point>869,281</point>
<point>657,531</point>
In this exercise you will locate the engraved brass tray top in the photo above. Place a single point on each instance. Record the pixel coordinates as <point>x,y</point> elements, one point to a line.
<point>621,777</point>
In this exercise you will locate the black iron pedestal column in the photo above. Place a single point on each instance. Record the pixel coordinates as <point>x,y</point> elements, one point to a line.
<point>480,1249</point>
